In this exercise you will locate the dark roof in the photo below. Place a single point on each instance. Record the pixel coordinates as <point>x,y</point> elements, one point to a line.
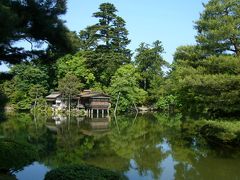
<point>84,94</point>
<point>53,95</point>
<point>93,94</point>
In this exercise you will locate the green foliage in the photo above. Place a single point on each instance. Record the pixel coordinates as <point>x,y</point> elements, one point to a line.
<point>103,64</point>
<point>29,82</point>
<point>108,33</point>
<point>149,63</point>
<point>36,23</point>
<point>76,65</point>
<point>29,74</point>
<point>209,87</point>
<point>105,44</point>
<point>167,103</point>
<point>83,172</point>
<point>205,81</point>
<point>188,53</point>
<point>69,85</point>
<point>125,82</point>
<point>218,27</point>
<point>41,108</point>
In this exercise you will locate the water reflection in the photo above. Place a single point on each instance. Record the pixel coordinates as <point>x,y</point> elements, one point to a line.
<point>87,125</point>
<point>149,146</point>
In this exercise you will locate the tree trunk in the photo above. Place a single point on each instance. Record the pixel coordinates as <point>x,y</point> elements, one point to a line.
<point>35,104</point>
<point>145,84</point>
<point>115,110</point>
<point>69,107</point>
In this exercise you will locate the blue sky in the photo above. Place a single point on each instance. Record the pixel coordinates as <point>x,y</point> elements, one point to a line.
<point>171,22</point>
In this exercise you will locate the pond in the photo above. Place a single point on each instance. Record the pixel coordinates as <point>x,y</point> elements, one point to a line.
<point>150,146</point>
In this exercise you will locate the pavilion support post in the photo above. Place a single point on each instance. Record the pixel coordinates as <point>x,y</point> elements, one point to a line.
<point>103,113</point>
<point>91,113</point>
<point>97,113</point>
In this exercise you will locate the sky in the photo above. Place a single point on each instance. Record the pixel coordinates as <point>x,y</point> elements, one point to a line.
<point>170,21</point>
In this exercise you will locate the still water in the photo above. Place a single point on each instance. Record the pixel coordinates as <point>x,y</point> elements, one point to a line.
<point>151,146</point>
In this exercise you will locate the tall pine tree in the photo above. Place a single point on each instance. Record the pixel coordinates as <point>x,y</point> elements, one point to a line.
<point>218,27</point>
<point>105,43</point>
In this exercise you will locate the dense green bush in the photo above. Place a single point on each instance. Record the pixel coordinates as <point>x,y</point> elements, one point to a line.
<point>82,172</point>
<point>208,88</point>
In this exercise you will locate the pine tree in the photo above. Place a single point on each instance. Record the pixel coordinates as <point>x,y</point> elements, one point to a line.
<point>105,43</point>
<point>218,27</point>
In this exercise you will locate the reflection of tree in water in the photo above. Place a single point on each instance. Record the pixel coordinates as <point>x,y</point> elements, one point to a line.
<point>207,166</point>
<point>137,145</point>
<point>195,160</point>
<point>23,142</point>
<point>186,150</point>
<point>15,155</point>
<point>71,145</point>
<point>3,102</point>
<point>138,142</point>
<point>16,151</point>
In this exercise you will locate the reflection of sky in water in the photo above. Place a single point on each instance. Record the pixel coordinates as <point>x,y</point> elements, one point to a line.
<point>168,168</point>
<point>34,171</point>
<point>133,173</point>
<point>164,146</point>
<point>167,165</point>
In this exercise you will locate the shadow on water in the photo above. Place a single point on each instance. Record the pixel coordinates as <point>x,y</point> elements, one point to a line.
<point>3,102</point>
<point>3,97</point>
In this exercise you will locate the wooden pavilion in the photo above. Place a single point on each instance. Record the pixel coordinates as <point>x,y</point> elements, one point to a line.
<point>96,104</point>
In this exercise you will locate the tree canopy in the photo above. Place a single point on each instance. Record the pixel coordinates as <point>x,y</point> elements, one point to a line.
<point>125,82</point>
<point>76,65</point>
<point>218,27</point>
<point>149,63</point>
<point>108,34</point>
<point>36,22</point>
<point>105,43</point>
